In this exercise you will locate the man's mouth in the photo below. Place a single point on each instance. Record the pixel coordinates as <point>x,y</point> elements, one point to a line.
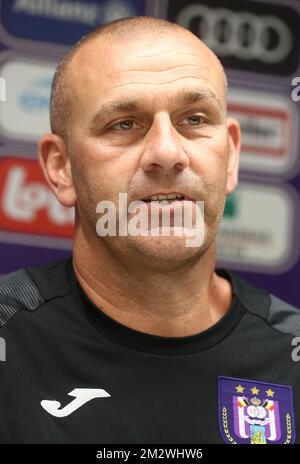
<point>170,197</point>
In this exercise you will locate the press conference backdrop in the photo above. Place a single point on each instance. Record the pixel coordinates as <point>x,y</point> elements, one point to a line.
<point>258,43</point>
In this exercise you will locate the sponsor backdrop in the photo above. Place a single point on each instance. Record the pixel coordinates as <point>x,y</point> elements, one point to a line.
<point>258,43</point>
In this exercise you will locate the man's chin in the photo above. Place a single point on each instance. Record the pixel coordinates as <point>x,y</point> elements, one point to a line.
<point>168,251</point>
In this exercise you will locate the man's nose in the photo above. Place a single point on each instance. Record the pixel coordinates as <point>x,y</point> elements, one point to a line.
<point>163,148</point>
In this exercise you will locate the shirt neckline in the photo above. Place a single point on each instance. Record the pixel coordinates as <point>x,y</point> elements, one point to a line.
<point>141,341</point>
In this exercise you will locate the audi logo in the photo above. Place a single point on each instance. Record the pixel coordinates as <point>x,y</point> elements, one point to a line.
<point>244,35</point>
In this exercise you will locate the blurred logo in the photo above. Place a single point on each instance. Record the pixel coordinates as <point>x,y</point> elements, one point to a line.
<point>269,138</point>
<point>29,86</point>
<point>258,229</point>
<point>36,97</point>
<point>28,206</point>
<point>85,12</point>
<point>244,35</point>
<point>249,35</point>
<point>60,22</point>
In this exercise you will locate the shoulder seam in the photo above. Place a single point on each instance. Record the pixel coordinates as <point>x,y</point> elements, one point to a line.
<point>292,312</point>
<point>265,320</point>
<point>14,306</point>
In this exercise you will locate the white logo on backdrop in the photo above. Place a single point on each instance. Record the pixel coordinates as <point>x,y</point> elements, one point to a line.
<point>244,35</point>
<point>25,116</point>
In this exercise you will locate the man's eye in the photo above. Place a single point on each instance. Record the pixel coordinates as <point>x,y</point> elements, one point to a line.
<point>194,120</point>
<point>125,125</point>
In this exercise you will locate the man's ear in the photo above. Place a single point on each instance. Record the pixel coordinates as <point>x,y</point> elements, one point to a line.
<point>234,145</point>
<point>55,163</point>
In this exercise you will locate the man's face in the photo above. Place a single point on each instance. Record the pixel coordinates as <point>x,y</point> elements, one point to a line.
<point>149,117</point>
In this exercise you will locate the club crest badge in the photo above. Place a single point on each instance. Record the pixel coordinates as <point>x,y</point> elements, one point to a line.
<point>252,412</point>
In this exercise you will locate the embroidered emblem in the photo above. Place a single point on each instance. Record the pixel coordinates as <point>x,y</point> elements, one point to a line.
<point>252,412</point>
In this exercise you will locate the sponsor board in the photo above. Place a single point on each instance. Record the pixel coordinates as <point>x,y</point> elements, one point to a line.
<point>60,22</point>
<point>258,230</point>
<point>247,35</point>
<point>24,116</point>
<point>269,136</point>
<point>29,211</point>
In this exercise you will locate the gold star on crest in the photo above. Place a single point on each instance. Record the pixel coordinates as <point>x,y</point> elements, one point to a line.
<point>240,389</point>
<point>270,392</point>
<point>254,391</point>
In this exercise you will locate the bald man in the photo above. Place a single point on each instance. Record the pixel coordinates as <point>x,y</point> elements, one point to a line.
<point>137,338</point>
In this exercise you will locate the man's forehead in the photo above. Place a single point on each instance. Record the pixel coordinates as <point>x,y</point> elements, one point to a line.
<point>101,52</point>
<point>146,62</point>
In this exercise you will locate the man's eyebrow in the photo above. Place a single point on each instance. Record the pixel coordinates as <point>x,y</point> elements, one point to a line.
<point>184,97</point>
<point>195,96</point>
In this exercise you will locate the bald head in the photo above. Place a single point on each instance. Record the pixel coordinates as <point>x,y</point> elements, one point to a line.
<point>117,32</point>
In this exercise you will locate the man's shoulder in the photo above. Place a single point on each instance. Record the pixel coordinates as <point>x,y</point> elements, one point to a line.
<point>29,288</point>
<point>276,312</point>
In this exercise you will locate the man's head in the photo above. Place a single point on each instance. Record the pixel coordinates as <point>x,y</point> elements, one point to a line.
<point>139,107</point>
<point>119,31</point>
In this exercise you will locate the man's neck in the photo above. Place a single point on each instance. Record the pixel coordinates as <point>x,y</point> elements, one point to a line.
<point>170,304</point>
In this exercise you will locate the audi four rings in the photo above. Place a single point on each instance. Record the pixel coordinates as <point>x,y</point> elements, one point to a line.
<point>244,35</point>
